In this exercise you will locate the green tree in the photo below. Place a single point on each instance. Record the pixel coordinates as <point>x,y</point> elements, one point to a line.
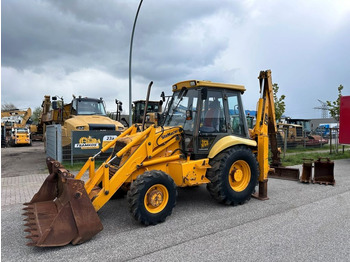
<point>333,107</point>
<point>36,114</point>
<point>280,106</point>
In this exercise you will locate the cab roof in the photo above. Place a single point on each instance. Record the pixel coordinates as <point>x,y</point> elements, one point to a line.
<point>200,83</point>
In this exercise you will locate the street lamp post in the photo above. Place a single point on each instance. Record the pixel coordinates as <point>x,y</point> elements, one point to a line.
<point>130,56</point>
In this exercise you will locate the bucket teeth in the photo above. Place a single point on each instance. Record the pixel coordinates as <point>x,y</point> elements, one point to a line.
<point>29,224</point>
<point>33,237</point>
<point>28,219</point>
<point>29,230</point>
<point>28,208</point>
<point>28,213</point>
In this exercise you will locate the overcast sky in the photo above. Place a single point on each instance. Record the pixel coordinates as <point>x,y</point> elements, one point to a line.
<point>81,47</point>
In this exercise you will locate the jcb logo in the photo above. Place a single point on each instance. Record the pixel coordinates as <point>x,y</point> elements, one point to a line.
<point>204,143</point>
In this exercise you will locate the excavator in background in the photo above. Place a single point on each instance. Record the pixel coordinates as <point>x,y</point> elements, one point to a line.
<point>203,139</point>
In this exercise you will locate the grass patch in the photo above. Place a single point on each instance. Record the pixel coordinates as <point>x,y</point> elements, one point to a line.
<point>306,149</point>
<point>78,165</point>
<point>300,148</point>
<point>297,159</point>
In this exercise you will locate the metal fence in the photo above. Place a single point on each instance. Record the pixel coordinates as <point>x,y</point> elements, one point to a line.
<point>79,146</point>
<point>53,142</point>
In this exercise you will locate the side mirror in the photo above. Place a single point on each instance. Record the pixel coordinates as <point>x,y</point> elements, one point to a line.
<point>188,114</point>
<point>204,93</point>
<point>54,98</point>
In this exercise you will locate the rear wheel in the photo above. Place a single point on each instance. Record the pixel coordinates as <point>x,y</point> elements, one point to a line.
<point>234,175</point>
<point>152,197</point>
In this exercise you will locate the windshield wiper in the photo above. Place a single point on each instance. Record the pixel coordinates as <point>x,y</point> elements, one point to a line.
<point>182,93</point>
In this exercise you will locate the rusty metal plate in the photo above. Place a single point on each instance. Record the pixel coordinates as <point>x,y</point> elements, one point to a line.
<point>285,173</point>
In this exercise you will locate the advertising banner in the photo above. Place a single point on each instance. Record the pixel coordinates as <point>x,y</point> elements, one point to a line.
<point>91,142</point>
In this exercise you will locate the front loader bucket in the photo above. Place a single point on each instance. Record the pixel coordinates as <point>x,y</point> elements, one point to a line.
<point>61,212</point>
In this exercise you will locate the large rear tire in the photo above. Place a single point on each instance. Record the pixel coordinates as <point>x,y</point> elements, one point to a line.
<point>233,176</point>
<point>152,197</point>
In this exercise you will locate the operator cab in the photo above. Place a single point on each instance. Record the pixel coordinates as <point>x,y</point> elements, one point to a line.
<point>207,112</point>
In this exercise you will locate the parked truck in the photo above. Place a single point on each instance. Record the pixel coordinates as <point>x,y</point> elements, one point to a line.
<point>82,114</point>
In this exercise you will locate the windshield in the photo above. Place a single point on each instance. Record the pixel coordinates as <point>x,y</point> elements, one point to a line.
<point>22,130</point>
<point>180,102</point>
<point>89,107</point>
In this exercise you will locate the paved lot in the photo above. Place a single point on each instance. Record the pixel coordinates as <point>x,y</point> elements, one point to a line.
<point>300,222</point>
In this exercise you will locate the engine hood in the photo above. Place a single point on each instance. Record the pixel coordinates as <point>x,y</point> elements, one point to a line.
<point>94,120</point>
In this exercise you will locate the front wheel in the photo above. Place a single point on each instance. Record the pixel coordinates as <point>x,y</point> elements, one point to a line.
<point>152,197</point>
<point>233,176</point>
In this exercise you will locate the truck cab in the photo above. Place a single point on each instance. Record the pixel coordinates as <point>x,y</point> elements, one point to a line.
<point>20,136</point>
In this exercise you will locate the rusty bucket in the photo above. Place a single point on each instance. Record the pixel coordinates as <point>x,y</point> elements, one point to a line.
<point>324,171</point>
<point>306,174</point>
<point>61,212</point>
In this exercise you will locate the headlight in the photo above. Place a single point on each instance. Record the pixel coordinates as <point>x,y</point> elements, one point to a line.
<point>80,127</point>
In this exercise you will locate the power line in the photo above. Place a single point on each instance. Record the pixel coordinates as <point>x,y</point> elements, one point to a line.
<point>323,108</point>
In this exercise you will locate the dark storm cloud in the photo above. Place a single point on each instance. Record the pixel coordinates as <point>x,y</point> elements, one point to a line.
<point>37,33</point>
<point>75,34</point>
<point>82,47</point>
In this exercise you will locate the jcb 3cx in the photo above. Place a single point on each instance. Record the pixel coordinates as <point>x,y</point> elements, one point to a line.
<point>204,140</point>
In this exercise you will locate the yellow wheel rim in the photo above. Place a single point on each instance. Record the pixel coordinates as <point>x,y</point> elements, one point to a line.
<point>239,175</point>
<point>156,198</point>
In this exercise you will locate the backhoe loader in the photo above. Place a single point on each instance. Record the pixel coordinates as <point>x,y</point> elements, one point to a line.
<point>204,139</point>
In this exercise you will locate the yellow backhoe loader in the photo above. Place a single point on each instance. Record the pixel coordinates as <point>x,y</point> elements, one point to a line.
<point>204,140</point>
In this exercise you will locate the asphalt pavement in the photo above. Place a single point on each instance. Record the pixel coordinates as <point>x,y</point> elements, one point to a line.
<point>300,222</point>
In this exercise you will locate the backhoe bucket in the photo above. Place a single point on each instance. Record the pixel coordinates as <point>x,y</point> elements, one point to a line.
<point>306,174</point>
<point>324,172</point>
<point>61,212</point>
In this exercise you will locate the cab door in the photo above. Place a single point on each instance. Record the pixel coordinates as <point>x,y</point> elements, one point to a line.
<point>212,121</point>
<point>237,123</point>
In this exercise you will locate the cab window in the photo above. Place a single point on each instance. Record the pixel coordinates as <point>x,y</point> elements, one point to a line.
<point>236,114</point>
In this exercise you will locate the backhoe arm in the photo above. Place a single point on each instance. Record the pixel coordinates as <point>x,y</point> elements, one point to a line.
<point>265,129</point>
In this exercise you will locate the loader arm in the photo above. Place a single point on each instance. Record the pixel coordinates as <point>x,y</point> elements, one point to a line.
<point>64,209</point>
<point>138,151</point>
